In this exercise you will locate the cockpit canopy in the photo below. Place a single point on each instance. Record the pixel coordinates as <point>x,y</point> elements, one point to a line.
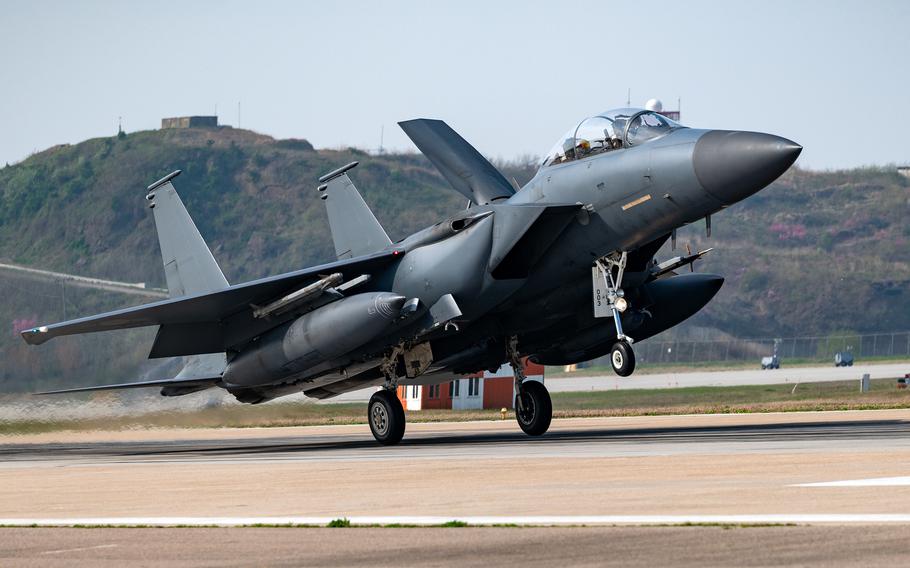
<point>609,131</point>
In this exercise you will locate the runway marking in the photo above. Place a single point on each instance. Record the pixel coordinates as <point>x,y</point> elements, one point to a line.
<point>873,482</point>
<point>63,550</point>
<point>544,520</point>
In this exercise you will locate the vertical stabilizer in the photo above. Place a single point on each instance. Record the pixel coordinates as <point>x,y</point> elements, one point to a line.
<point>189,266</point>
<point>355,230</point>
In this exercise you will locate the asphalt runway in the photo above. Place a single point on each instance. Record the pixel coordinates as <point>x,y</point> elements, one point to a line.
<point>436,441</point>
<point>483,547</point>
<point>842,477</point>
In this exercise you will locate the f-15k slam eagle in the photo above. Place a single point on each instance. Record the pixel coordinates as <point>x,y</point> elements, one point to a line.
<point>561,270</point>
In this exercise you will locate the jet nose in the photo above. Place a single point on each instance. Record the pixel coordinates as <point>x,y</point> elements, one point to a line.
<point>732,165</point>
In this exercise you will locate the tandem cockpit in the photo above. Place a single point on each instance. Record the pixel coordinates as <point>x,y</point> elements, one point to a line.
<point>609,131</point>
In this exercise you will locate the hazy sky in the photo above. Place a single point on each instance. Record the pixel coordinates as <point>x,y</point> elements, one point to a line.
<point>511,77</point>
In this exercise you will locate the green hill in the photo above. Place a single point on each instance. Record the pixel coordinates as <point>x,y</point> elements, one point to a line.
<point>814,253</point>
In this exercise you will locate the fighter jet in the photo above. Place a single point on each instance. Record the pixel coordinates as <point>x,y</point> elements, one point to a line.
<point>561,270</point>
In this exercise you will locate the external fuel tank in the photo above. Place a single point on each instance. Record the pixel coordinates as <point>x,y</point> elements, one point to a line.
<point>314,338</point>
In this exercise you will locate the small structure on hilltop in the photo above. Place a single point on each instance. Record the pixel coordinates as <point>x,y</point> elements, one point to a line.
<point>904,171</point>
<point>190,122</point>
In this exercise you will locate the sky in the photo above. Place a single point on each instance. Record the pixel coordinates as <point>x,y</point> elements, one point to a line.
<point>511,77</point>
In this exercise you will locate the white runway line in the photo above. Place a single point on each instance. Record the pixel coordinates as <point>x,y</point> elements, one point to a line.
<point>64,550</point>
<point>471,520</point>
<point>874,482</point>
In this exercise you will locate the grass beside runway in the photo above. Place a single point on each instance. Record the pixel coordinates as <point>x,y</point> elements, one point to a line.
<point>837,395</point>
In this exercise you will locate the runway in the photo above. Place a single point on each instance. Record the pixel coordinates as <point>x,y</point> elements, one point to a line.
<point>730,378</point>
<point>685,467</point>
<point>842,477</point>
<point>482,547</point>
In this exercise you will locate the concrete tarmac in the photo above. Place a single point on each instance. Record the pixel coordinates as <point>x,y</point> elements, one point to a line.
<point>867,546</point>
<point>823,469</point>
<point>667,465</point>
<point>784,375</point>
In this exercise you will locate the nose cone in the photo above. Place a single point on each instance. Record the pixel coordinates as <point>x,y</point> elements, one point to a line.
<point>732,165</point>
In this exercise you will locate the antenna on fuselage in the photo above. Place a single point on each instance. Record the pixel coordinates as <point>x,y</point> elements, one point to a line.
<point>629,97</point>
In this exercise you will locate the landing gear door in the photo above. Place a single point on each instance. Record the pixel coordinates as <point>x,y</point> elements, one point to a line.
<point>601,304</point>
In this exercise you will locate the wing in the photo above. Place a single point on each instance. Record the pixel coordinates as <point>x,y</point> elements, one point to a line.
<point>462,165</point>
<point>216,321</point>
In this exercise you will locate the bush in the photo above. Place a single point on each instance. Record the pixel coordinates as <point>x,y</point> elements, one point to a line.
<point>755,280</point>
<point>295,144</point>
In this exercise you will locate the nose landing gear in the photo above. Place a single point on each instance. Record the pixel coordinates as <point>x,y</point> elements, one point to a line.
<point>609,299</point>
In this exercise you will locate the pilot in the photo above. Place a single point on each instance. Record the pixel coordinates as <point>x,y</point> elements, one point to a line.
<point>583,148</point>
<point>619,127</point>
<point>568,148</point>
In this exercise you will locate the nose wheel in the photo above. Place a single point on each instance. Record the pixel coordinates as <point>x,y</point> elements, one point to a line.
<point>622,359</point>
<point>386,417</point>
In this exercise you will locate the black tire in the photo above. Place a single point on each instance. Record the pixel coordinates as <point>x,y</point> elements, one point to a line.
<point>386,417</point>
<point>535,410</point>
<point>622,359</point>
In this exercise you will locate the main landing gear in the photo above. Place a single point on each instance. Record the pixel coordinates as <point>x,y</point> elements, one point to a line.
<point>622,357</point>
<point>384,412</point>
<point>386,417</point>
<point>533,407</point>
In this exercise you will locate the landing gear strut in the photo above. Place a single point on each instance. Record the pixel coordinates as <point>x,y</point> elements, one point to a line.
<point>533,407</point>
<point>384,412</point>
<point>622,357</point>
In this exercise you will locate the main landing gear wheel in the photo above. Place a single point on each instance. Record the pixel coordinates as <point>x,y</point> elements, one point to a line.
<point>386,417</point>
<point>622,358</point>
<point>533,408</point>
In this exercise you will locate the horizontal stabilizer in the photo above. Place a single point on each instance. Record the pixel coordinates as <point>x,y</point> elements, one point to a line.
<point>461,164</point>
<point>177,382</point>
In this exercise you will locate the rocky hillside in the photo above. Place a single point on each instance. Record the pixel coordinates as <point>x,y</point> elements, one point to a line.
<point>813,254</point>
